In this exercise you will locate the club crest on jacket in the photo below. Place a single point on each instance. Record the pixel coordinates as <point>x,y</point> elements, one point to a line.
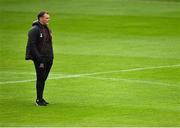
<point>41,35</point>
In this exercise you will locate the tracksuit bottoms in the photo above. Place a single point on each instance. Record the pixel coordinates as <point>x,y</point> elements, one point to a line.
<point>41,76</point>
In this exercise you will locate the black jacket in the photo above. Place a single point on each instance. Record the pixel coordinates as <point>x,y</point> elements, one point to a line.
<point>39,44</point>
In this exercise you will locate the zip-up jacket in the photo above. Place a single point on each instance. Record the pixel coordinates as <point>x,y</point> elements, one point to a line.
<point>39,44</point>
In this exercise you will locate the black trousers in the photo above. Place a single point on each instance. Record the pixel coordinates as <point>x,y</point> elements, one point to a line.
<point>41,76</point>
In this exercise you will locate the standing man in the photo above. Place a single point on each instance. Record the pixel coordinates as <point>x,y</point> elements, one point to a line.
<point>39,49</point>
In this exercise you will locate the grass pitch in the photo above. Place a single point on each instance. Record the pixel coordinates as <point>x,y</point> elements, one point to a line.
<point>117,63</point>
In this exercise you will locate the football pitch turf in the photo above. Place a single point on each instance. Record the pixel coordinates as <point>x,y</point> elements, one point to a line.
<point>117,63</point>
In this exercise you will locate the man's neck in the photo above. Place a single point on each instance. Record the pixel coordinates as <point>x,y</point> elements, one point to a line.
<point>41,23</point>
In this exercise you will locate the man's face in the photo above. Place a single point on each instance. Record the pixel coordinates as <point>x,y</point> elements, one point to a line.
<point>45,19</point>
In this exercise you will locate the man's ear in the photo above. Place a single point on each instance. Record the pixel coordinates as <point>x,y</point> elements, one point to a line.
<point>40,19</point>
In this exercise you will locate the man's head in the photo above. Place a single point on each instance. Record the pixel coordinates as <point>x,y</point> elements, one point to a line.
<point>43,17</point>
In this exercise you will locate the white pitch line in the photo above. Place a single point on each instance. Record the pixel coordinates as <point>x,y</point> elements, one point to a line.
<point>17,73</point>
<point>132,69</point>
<point>96,73</point>
<point>25,73</point>
<point>107,72</point>
<point>32,80</point>
<point>17,81</point>
<point>132,81</point>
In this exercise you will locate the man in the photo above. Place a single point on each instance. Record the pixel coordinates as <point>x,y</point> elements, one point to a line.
<point>39,49</point>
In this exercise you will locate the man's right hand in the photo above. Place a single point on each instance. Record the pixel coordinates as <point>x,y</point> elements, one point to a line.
<point>41,65</point>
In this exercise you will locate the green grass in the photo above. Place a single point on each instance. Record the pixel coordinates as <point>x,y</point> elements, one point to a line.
<point>92,36</point>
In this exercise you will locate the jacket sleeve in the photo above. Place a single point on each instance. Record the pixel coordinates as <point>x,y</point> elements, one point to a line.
<point>33,36</point>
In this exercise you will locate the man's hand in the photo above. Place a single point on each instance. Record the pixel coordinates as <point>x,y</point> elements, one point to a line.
<point>41,65</point>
